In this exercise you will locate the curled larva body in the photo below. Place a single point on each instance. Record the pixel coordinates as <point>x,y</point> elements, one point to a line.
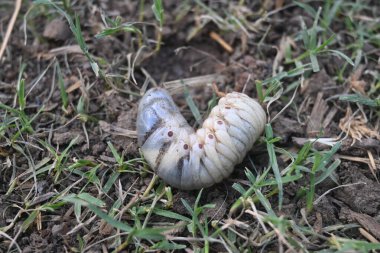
<point>190,160</point>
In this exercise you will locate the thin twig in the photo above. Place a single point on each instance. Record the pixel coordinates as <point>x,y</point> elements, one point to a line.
<point>286,106</point>
<point>327,192</point>
<point>10,27</point>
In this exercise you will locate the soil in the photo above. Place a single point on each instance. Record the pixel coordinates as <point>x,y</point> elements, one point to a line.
<point>356,202</point>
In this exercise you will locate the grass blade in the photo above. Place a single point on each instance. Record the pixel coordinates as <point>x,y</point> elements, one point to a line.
<point>194,109</point>
<point>64,96</point>
<point>115,223</point>
<point>273,163</point>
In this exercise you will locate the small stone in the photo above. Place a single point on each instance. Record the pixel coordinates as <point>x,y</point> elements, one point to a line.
<point>57,29</point>
<point>56,229</point>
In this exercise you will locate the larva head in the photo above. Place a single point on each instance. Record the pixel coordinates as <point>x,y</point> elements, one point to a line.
<point>153,104</point>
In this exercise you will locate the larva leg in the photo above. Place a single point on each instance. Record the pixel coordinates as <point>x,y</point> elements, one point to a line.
<point>175,159</point>
<point>212,154</point>
<point>235,130</point>
<point>221,130</point>
<point>246,110</point>
<point>226,152</point>
<point>211,170</point>
<point>195,169</point>
<point>242,143</point>
<point>226,139</point>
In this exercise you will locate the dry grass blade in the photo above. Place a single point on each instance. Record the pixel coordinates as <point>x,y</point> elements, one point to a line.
<point>177,86</point>
<point>367,222</point>
<point>368,235</point>
<point>372,164</point>
<point>221,42</point>
<point>10,27</point>
<point>315,123</point>
<point>74,86</point>
<point>356,126</point>
<point>285,43</point>
<point>354,81</point>
<point>109,128</point>
<point>217,91</point>
<point>71,49</point>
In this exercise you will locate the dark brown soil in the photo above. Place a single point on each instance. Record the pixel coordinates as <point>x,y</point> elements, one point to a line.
<point>357,201</point>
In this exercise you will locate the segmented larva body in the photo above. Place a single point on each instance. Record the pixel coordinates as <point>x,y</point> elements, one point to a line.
<point>190,160</point>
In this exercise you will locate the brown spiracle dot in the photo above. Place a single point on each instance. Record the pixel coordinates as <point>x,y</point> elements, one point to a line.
<point>185,146</point>
<point>170,133</point>
<point>200,145</point>
<point>227,107</point>
<point>220,122</point>
<point>210,136</point>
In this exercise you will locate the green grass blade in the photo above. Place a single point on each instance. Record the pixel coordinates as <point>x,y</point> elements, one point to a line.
<point>158,11</point>
<point>76,30</point>
<point>328,171</point>
<point>166,245</point>
<point>111,180</point>
<point>91,199</point>
<point>169,214</point>
<point>21,94</point>
<point>357,98</point>
<point>25,225</point>
<point>264,201</point>
<point>115,153</point>
<point>273,163</point>
<point>341,55</point>
<point>61,84</point>
<point>118,29</point>
<point>313,31</point>
<point>187,206</point>
<point>239,188</point>
<point>194,109</point>
<point>115,223</point>
<point>309,9</point>
<point>314,62</point>
<point>151,233</point>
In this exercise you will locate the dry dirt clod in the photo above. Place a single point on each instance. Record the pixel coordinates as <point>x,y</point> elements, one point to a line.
<point>319,82</point>
<point>57,30</point>
<point>65,138</point>
<point>363,197</point>
<point>285,128</point>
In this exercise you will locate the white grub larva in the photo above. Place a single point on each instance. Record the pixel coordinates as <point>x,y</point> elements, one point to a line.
<point>189,160</point>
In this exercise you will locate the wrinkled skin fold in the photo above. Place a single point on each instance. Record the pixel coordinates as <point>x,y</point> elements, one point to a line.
<point>188,159</point>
